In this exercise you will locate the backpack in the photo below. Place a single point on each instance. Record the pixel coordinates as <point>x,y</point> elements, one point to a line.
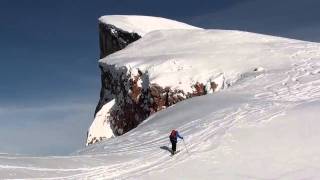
<point>173,135</point>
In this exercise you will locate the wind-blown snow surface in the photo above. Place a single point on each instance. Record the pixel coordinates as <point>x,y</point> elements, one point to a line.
<point>264,126</point>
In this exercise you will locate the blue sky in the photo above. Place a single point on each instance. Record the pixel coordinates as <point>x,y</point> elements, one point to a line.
<point>49,51</point>
<point>49,74</point>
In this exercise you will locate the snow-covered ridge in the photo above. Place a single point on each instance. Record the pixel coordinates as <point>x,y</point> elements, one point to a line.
<point>180,58</point>
<point>167,66</point>
<point>143,24</point>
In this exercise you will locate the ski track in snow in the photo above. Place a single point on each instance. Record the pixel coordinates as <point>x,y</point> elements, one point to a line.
<point>137,153</point>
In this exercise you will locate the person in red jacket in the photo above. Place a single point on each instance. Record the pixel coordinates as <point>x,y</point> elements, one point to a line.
<point>174,139</point>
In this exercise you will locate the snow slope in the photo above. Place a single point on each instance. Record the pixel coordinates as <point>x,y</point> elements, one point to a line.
<point>264,126</point>
<point>180,58</point>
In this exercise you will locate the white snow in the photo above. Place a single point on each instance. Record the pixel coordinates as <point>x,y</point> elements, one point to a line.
<point>264,126</point>
<point>285,146</point>
<point>100,127</point>
<point>143,24</point>
<point>180,58</point>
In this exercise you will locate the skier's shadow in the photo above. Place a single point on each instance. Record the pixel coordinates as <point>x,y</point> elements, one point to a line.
<point>166,148</point>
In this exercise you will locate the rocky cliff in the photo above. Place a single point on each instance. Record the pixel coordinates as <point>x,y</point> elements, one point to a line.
<point>127,96</point>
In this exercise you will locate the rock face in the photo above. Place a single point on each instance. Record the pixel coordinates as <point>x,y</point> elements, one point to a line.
<point>132,95</point>
<point>136,99</point>
<point>113,39</point>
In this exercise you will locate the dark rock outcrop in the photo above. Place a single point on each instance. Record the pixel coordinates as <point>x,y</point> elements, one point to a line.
<point>113,39</point>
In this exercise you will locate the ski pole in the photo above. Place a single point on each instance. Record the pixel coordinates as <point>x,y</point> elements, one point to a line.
<point>185,146</point>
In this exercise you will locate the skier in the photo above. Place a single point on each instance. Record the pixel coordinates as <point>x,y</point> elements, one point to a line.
<point>174,139</point>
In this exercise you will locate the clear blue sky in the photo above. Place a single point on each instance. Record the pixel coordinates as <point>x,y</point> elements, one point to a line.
<point>49,76</point>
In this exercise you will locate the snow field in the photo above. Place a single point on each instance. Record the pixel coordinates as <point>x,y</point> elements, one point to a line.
<point>252,130</point>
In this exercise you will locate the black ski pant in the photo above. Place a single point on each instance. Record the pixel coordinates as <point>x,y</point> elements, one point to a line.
<point>173,145</point>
